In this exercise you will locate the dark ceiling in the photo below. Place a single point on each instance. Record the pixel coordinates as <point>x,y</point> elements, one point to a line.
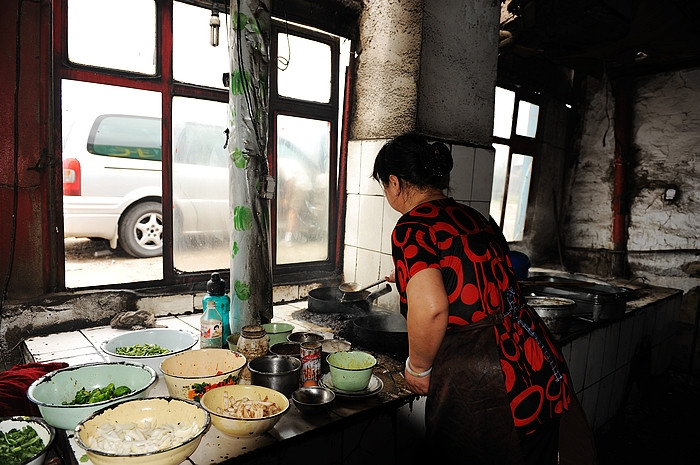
<point>623,37</point>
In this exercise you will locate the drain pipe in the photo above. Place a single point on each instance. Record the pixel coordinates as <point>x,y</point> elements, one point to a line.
<point>622,94</point>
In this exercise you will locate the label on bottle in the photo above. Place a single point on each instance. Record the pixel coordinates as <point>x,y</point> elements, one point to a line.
<point>210,334</point>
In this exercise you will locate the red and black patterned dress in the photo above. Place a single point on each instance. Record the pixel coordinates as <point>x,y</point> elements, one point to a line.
<point>498,366</point>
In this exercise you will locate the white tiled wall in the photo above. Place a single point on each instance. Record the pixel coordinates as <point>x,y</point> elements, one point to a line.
<point>601,362</point>
<point>369,218</point>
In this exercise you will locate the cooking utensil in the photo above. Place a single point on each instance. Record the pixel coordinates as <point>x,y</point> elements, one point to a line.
<point>352,287</point>
<point>382,331</point>
<point>328,300</point>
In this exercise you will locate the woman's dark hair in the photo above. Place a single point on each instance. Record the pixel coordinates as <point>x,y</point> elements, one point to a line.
<point>411,158</point>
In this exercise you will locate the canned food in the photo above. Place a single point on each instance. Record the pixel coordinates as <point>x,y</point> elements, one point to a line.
<point>310,362</point>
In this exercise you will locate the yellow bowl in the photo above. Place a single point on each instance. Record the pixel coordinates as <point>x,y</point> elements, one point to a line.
<point>213,401</point>
<point>145,414</point>
<point>190,374</point>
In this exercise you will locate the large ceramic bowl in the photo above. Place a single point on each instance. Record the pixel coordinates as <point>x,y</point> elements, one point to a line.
<point>190,374</point>
<point>13,428</point>
<point>181,424</point>
<point>351,370</point>
<point>53,389</point>
<point>219,402</point>
<point>278,332</point>
<point>175,340</point>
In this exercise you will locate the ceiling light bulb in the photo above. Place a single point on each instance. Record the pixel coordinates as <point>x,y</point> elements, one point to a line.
<point>214,23</point>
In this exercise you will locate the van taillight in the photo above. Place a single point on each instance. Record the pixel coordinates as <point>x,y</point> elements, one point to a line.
<point>71,176</point>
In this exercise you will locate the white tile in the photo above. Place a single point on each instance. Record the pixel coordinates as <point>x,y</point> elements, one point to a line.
<point>98,335</point>
<point>624,348</point>
<point>589,401</point>
<point>605,393</point>
<point>369,225</point>
<point>577,362</point>
<point>367,266</point>
<point>389,219</point>
<point>349,263</point>
<point>59,341</point>
<point>191,320</point>
<point>75,356</point>
<point>611,343</point>
<point>462,173</point>
<point>352,216</point>
<point>369,186</point>
<point>353,166</point>
<point>483,175</point>
<point>594,361</point>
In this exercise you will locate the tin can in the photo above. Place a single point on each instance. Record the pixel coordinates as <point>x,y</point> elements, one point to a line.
<point>310,361</point>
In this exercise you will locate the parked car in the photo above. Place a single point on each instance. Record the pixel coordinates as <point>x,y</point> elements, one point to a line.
<point>112,182</point>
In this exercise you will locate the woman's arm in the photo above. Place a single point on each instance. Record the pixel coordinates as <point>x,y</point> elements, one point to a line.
<point>428,310</point>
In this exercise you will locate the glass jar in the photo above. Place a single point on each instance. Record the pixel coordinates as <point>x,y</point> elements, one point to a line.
<point>253,343</point>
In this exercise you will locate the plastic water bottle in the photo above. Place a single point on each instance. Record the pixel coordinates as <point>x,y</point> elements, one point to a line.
<point>216,292</point>
<point>211,327</point>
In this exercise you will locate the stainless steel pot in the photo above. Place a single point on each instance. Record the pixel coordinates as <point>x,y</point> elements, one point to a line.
<point>278,372</point>
<point>556,312</point>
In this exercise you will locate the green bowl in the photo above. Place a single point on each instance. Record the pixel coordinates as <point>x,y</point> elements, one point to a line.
<point>278,332</point>
<point>351,370</point>
<point>51,390</point>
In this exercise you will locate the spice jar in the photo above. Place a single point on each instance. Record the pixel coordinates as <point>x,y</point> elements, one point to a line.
<point>253,343</point>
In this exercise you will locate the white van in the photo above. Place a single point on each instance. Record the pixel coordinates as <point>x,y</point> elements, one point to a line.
<point>112,182</point>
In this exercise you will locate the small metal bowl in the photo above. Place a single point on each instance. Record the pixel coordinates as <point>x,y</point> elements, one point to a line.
<point>304,336</point>
<point>311,400</point>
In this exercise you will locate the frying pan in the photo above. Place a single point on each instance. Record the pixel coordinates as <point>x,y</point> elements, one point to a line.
<point>330,300</point>
<point>382,331</point>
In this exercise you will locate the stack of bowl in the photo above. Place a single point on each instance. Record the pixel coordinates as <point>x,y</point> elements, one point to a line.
<point>278,372</point>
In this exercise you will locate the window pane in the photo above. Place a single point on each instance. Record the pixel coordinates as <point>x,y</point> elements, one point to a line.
<point>527,119</point>
<point>503,112</point>
<point>303,69</point>
<point>516,202</point>
<point>107,185</point>
<point>303,147</point>
<point>195,60</point>
<point>200,181</point>
<point>498,187</point>
<point>117,34</point>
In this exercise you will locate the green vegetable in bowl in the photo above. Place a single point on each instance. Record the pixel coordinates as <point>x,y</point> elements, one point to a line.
<point>142,350</point>
<point>17,445</point>
<point>83,396</point>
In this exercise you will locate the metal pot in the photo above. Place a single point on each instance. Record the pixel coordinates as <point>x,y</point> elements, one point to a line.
<point>329,300</point>
<point>556,312</point>
<point>382,331</point>
<point>278,372</point>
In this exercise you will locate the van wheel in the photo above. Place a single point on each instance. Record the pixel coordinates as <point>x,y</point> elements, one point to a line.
<point>141,230</point>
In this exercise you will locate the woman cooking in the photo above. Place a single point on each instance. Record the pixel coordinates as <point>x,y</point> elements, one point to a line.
<point>496,382</point>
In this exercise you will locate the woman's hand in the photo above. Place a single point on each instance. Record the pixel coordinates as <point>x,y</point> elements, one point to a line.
<point>415,384</point>
<point>391,277</point>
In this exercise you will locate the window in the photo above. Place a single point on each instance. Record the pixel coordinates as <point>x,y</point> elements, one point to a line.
<point>305,96</point>
<point>515,129</point>
<point>137,135</point>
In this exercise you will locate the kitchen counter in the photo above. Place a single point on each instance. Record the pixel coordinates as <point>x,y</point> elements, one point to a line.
<point>294,429</point>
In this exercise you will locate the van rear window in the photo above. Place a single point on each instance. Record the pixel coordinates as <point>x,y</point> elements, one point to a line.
<point>126,136</point>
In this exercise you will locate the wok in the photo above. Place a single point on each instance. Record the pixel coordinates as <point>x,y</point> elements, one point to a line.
<point>329,300</point>
<point>382,331</point>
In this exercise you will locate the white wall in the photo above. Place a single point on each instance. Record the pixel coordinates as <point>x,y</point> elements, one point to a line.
<point>369,219</point>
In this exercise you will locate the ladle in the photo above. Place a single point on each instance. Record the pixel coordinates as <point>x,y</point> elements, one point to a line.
<point>355,288</point>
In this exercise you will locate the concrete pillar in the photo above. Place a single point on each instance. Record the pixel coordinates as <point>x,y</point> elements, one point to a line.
<point>427,66</point>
